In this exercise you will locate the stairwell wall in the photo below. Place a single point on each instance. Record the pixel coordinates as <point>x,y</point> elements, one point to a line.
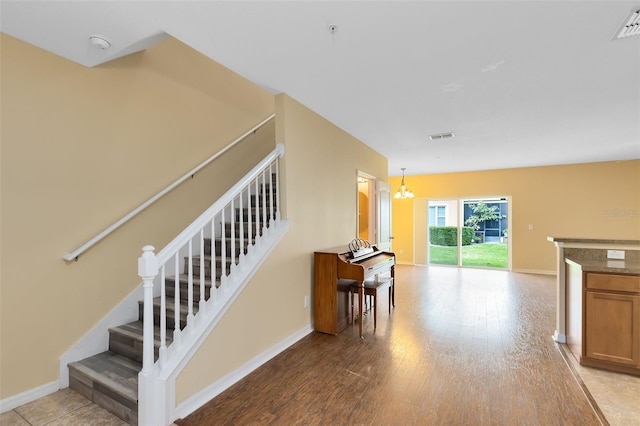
<point>319,192</point>
<point>81,148</point>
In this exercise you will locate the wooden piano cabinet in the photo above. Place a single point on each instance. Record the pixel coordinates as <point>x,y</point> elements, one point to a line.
<point>612,322</point>
<point>334,271</point>
<point>331,301</point>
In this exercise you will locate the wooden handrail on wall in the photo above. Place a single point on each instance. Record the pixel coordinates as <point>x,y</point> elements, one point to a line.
<point>74,255</point>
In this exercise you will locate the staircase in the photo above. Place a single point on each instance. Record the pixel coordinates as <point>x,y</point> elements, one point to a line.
<point>110,378</point>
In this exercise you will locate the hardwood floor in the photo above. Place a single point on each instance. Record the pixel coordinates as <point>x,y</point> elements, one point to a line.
<point>461,347</point>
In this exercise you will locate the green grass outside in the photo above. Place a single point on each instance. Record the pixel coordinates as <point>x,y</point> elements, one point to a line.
<point>488,255</point>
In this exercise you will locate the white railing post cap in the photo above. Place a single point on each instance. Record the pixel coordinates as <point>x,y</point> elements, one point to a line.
<point>148,263</point>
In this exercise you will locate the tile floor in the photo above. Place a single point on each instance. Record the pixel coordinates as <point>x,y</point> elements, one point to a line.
<point>617,395</point>
<point>63,408</point>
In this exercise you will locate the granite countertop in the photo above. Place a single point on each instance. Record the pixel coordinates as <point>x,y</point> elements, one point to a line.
<point>593,241</point>
<point>612,266</point>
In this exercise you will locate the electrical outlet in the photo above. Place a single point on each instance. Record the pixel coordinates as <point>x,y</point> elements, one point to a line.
<point>615,254</point>
<point>530,227</point>
<point>306,301</point>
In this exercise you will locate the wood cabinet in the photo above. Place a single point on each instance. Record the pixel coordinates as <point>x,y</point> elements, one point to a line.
<point>611,322</point>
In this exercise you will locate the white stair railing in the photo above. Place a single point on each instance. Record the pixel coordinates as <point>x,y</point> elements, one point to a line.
<point>215,256</point>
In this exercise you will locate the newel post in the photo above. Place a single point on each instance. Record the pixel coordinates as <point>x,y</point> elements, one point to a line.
<point>148,386</point>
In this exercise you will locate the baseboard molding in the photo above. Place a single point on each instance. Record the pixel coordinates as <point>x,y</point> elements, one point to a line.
<point>535,271</point>
<point>28,396</point>
<point>216,388</point>
<point>559,337</point>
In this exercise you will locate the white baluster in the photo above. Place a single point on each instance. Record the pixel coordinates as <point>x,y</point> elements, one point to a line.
<point>223,250</point>
<point>190,288</point>
<point>162,353</point>
<point>233,237</point>
<point>241,227</point>
<point>213,255</point>
<point>249,230</point>
<point>264,204</point>
<point>201,303</point>
<point>271,206</point>
<point>278,198</point>
<point>257,209</point>
<point>177,339</point>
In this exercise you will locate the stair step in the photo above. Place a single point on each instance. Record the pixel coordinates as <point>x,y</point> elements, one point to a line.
<point>169,285</point>
<point>260,200</point>
<point>245,225</point>
<point>109,380</point>
<point>126,340</point>
<point>170,306</point>
<point>207,266</point>
<point>227,242</point>
<point>255,212</point>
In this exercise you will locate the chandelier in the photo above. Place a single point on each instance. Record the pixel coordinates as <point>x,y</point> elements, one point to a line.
<point>403,192</point>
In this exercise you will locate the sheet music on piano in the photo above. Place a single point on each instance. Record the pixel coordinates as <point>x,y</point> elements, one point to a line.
<point>360,247</point>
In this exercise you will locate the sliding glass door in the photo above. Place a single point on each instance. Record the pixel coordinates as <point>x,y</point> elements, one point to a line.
<point>469,232</point>
<point>442,232</point>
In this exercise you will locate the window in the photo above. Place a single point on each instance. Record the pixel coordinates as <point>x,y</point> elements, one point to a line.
<point>438,215</point>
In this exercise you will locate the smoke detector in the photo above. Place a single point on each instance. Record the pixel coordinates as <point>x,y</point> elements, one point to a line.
<point>630,26</point>
<point>100,42</point>
<point>440,136</point>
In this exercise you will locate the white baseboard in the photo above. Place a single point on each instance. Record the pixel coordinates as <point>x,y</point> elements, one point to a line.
<point>215,389</point>
<point>28,396</point>
<point>559,337</point>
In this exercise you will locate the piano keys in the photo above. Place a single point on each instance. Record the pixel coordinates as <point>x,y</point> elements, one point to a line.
<point>335,270</point>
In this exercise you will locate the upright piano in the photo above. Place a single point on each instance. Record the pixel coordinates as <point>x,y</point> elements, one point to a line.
<point>335,271</point>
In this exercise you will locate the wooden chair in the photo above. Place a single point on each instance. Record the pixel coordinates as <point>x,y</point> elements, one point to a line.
<point>370,290</point>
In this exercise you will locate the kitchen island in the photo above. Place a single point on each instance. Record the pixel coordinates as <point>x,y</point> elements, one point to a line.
<point>598,311</point>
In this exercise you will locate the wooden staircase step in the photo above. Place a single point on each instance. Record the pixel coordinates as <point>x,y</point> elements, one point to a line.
<point>255,213</point>
<point>126,340</point>
<point>111,381</point>
<point>227,241</point>
<point>207,265</point>
<point>254,232</point>
<point>183,280</point>
<point>260,200</point>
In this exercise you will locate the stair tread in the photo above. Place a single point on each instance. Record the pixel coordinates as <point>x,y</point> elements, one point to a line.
<point>116,372</point>
<point>134,330</point>
<point>170,304</point>
<point>184,279</point>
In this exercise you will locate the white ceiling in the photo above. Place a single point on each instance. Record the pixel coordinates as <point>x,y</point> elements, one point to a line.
<point>520,83</point>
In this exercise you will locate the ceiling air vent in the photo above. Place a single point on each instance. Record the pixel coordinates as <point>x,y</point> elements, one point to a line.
<point>441,136</point>
<point>631,25</point>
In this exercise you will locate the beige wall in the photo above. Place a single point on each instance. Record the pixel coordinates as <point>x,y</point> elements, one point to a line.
<point>595,200</point>
<point>81,148</point>
<point>320,192</point>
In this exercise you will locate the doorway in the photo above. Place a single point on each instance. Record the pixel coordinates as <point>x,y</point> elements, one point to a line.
<point>373,211</point>
<point>471,232</point>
